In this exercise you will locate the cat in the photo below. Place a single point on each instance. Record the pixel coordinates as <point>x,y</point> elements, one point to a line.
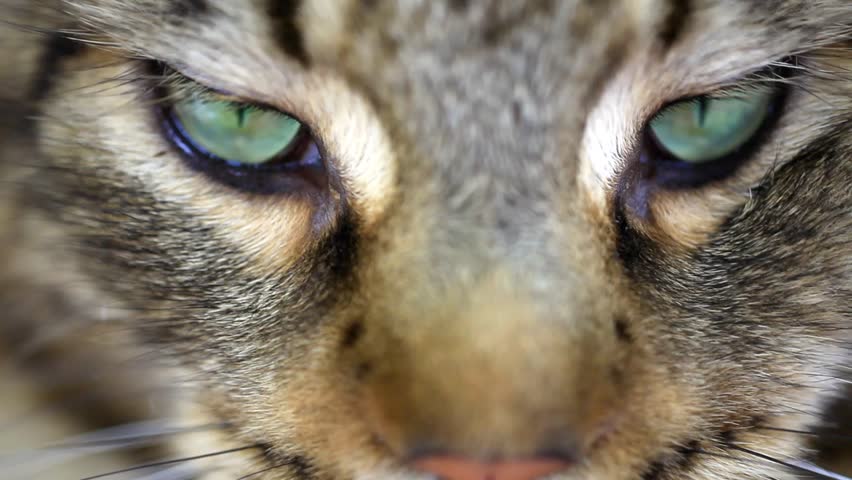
<point>458,239</point>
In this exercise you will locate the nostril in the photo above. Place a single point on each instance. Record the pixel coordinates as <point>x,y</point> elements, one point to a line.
<point>352,334</point>
<point>460,468</point>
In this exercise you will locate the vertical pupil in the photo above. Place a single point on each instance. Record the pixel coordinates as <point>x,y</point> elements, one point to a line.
<point>701,111</point>
<point>241,117</point>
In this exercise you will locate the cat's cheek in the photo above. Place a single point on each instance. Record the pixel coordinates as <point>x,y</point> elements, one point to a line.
<point>274,230</point>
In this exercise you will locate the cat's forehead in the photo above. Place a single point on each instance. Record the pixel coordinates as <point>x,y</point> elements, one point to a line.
<point>375,35</point>
<point>340,30</point>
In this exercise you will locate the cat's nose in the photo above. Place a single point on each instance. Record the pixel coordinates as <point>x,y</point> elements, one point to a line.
<point>460,468</point>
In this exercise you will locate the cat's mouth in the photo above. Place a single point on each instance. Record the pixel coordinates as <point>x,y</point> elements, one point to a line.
<point>451,468</point>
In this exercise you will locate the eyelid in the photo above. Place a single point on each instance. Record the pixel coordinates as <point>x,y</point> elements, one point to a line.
<point>741,89</point>
<point>724,93</point>
<point>774,76</point>
<point>178,82</point>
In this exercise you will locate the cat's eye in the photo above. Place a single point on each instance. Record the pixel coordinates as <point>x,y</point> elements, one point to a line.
<point>253,148</point>
<point>706,129</point>
<point>697,140</point>
<point>237,133</point>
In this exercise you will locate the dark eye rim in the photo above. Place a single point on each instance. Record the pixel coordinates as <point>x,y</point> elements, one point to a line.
<point>665,170</point>
<point>300,168</point>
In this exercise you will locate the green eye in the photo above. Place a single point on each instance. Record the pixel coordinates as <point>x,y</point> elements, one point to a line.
<point>252,149</point>
<point>707,128</point>
<point>237,133</point>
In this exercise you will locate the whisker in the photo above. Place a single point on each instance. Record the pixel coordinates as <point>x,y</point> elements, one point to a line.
<point>164,463</point>
<point>798,465</point>
<point>101,441</point>
<point>794,464</point>
<point>77,400</point>
<point>834,436</point>
<point>134,438</point>
<point>267,469</point>
<point>30,463</point>
<point>180,472</point>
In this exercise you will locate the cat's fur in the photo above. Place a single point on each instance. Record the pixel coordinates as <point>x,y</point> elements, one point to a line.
<point>486,281</point>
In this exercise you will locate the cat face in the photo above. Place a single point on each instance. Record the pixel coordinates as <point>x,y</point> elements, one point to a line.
<point>485,244</point>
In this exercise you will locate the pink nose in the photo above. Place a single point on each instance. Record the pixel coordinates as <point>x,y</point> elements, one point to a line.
<point>458,468</point>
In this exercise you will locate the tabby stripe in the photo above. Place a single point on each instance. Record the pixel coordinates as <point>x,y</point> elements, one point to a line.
<point>57,47</point>
<point>189,8</point>
<point>674,22</point>
<point>284,16</point>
